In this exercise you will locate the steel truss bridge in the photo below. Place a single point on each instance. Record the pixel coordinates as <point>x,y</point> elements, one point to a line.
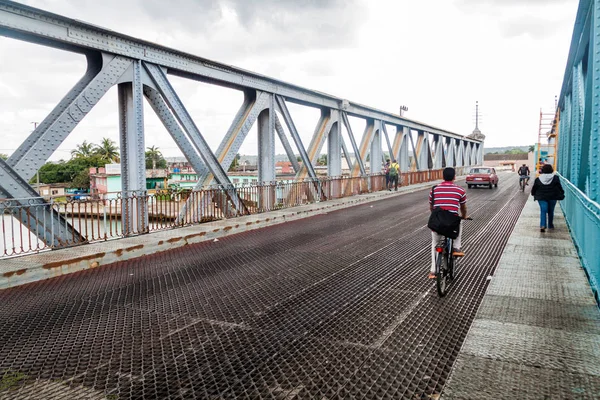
<point>577,129</point>
<point>141,70</point>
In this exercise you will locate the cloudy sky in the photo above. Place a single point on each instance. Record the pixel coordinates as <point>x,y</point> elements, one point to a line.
<point>437,57</point>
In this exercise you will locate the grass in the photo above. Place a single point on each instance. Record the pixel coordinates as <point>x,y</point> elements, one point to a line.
<point>10,379</point>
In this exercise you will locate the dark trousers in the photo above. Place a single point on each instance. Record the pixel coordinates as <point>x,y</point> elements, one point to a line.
<point>394,181</point>
<point>387,181</point>
<point>547,210</point>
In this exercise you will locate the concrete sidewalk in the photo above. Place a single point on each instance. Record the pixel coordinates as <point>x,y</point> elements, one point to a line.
<point>537,332</point>
<point>48,264</point>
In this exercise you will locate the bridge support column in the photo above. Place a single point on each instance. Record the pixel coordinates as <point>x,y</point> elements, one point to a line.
<point>266,157</point>
<point>134,207</point>
<point>403,155</point>
<point>376,155</point>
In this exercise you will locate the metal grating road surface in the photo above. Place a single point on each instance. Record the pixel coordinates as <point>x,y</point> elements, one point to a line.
<point>332,306</point>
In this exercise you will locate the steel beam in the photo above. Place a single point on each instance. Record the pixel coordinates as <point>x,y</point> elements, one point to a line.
<point>314,149</point>
<point>423,153</point>
<point>403,153</point>
<point>266,145</point>
<point>134,208</point>
<point>376,153</point>
<point>102,73</point>
<point>287,118</point>
<point>334,149</point>
<point>577,129</point>
<point>197,140</point>
<point>460,159</point>
<point>170,123</point>
<point>438,150</point>
<point>38,26</point>
<point>286,144</point>
<point>365,143</point>
<point>387,140</point>
<point>359,161</point>
<point>34,212</point>
<point>253,104</point>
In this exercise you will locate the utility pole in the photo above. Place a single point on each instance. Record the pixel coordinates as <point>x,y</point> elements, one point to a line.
<point>37,186</point>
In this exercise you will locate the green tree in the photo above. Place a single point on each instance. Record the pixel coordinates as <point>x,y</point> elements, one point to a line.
<point>81,180</point>
<point>514,151</point>
<point>4,156</point>
<point>83,150</point>
<point>155,159</point>
<point>531,148</point>
<point>235,163</point>
<point>108,150</point>
<point>322,160</point>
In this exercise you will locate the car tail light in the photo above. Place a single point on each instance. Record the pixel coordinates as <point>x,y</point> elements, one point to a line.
<point>439,249</point>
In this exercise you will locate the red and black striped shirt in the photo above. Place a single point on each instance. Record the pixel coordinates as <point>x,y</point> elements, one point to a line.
<point>449,196</point>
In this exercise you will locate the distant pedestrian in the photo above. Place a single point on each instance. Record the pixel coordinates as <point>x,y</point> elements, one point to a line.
<point>547,190</point>
<point>394,173</point>
<point>386,171</point>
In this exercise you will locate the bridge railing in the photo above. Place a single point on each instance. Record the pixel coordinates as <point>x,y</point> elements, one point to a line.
<point>583,217</point>
<point>100,218</point>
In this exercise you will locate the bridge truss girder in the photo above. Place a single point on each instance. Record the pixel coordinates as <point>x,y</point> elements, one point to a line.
<point>141,69</point>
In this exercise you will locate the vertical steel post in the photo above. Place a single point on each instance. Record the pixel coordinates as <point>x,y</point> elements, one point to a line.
<point>334,149</point>
<point>266,155</point>
<point>376,153</point>
<point>133,161</point>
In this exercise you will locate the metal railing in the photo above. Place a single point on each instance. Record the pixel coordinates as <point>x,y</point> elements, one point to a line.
<point>99,219</point>
<point>583,218</point>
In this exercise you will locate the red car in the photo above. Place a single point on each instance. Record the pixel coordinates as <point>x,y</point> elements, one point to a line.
<point>482,176</point>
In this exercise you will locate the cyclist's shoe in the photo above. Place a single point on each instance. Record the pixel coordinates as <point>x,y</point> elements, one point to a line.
<point>542,229</point>
<point>457,253</point>
<point>431,275</point>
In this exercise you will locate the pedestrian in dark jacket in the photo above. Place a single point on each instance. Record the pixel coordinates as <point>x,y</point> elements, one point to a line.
<point>547,190</point>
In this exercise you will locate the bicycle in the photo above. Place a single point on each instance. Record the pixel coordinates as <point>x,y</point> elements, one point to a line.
<point>445,264</point>
<point>522,182</point>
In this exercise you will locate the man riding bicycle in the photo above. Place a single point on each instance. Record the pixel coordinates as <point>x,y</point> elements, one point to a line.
<point>451,197</point>
<point>524,174</point>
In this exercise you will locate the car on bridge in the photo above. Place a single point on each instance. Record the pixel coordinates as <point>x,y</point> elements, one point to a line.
<point>482,176</point>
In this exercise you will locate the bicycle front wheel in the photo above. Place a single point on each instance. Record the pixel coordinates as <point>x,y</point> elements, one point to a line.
<point>440,276</point>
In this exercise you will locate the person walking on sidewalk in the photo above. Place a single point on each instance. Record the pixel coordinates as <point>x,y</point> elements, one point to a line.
<point>547,190</point>
<point>394,172</point>
<point>386,171</point>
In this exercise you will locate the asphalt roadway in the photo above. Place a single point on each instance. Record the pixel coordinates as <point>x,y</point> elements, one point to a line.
<point>332,306</point>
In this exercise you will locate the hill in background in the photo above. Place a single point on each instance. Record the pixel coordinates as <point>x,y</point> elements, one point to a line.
<point>503,150</point>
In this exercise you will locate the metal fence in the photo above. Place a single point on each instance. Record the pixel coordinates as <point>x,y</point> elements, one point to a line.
<point>100,219</point>
<point>583,217</point>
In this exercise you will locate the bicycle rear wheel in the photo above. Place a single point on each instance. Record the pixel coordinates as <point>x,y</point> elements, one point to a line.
<point>441,274</point>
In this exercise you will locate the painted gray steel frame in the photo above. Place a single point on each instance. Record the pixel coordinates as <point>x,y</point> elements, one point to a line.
<point>111,54</point>
<point>133,161</point>
<point>102,73</point>
<point>179,111</point>
<point>51,227</point>
<point>359,160</point>
<point>31,24</point>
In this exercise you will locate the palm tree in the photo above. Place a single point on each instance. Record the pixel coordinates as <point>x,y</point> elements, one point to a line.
<point>108,150</point>
<point>83,150</point>
<point>154,154</point>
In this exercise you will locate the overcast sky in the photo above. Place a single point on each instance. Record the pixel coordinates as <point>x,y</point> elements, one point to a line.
<point>437,57</point>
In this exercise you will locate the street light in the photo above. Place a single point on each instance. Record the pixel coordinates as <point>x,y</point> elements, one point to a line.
<point>402,109</point>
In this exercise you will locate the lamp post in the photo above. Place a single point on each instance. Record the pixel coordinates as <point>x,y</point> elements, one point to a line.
<point>402,110</point>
